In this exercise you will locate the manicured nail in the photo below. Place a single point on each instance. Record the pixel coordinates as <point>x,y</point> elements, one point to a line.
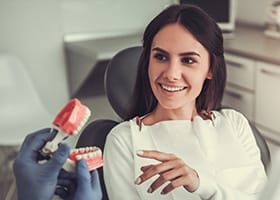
<point>140,152</point>
<point>150,190</point>
<point>137,181</point>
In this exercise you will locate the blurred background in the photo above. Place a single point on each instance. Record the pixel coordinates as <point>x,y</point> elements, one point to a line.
<point>51,51</point>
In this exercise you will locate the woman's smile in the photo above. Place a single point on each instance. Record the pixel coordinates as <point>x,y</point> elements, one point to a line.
<point>170,88</point>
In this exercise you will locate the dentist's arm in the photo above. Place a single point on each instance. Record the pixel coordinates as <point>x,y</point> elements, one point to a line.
<point>38,180</point>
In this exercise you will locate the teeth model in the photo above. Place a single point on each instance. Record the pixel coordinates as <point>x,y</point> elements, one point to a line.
<point>92,156</point>
<point>68,122</point>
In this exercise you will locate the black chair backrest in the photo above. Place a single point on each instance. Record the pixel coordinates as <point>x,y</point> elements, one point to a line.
<point>120,78</point>
<point>100,126</point>
<point>119,81</point>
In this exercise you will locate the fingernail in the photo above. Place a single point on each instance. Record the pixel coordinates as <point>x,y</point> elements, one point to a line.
<point>140,152</point>
<point>137,181</point>
<point>162,192</point>
<point>150,190</point>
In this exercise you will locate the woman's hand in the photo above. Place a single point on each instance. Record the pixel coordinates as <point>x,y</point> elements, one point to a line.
<point>170,169</point>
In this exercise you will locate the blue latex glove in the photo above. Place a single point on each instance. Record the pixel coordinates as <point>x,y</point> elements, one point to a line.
<point>80,185</point>
<point>34,180</point>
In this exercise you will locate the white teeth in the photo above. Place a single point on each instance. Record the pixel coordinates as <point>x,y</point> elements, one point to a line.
<point>171,89</point>
<point>74,151</point>
<point>87,152</point>
<point>83,122</point>
<point>82,150</point>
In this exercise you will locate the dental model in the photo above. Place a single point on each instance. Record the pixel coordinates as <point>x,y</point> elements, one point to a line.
<point>68,122</point>
<point>92,156</point>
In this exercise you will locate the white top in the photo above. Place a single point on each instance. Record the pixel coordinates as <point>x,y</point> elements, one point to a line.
<point>272,188</point>
<point>223,152</point>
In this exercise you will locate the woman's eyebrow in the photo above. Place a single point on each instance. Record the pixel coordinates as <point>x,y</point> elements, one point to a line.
<point>160,50</point>
<point>190,53</point>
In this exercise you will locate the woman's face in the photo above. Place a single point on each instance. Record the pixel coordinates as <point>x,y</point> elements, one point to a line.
<point>178,67</point>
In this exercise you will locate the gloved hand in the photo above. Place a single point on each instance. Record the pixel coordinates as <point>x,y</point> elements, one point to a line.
<point>80,185</point>
<point>34,180</point>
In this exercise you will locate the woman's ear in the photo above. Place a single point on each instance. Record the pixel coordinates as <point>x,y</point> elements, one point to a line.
<point>209,75</point>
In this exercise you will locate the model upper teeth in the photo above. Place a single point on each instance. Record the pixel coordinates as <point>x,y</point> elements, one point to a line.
<point>172,89</point>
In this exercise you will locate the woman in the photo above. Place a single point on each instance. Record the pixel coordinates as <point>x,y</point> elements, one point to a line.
<point>182,145</point>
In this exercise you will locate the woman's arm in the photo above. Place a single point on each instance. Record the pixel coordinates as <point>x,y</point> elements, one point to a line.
<point>250,178</point>
<point>119,165</point>
<point>176,173</point>
<point>241,181</point>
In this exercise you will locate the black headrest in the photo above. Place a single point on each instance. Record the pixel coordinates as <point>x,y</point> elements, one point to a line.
<point>120,77</point>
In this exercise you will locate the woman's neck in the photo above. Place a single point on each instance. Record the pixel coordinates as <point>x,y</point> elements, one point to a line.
<point>163,114</point>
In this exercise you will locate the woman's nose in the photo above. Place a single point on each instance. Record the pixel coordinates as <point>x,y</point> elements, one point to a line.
<point>173,71</point>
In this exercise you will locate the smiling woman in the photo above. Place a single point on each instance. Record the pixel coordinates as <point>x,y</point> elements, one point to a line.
<point>178,67</point>
<point>177,141</point>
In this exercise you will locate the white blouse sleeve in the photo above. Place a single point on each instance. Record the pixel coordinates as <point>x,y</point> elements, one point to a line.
<point>118,164</point>
<point>213,189</point>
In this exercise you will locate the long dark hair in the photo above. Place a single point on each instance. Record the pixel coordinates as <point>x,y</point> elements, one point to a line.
<point>207,32</point>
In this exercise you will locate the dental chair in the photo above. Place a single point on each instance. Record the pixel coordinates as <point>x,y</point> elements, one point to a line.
<point>119,83</point>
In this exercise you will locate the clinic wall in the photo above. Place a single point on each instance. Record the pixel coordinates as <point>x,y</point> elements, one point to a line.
<point>252,11</point>
<point>105,16</point>
<point>98,17</point>
<point>33,31</point>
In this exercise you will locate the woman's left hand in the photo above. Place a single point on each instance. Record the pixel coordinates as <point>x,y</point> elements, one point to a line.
<point>170,169</point>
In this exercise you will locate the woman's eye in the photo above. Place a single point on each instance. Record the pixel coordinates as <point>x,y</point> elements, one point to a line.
<point>187,60</point>
<point>160,57</point>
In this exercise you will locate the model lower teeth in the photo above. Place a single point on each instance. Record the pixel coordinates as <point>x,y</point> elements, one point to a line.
<point>92,155</point>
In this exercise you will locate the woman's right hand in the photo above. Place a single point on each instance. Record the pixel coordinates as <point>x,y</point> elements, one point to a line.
<point>170,169</point>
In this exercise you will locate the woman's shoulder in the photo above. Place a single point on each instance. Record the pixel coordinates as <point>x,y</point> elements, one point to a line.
<point>230,114</point>
<point>236,120</point>
<point>120,128</point>
<point>121,136</point>
<point>123,129</point>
